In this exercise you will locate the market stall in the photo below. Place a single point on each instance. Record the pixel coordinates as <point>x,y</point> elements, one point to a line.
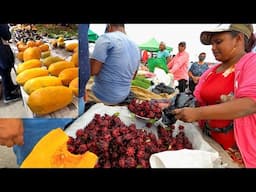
<point>205,150</point>
<point>204,147</point>
<point>113,137</point>
<point>92,36</point>
<point>152,45</point>
<point>70,111</point>
<point>49,65</point>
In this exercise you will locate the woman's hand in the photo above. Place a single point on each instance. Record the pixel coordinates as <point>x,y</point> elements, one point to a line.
<point>186,114</point>
<point>195,79</point>
<point>225,98</point>
<point>11,132</point>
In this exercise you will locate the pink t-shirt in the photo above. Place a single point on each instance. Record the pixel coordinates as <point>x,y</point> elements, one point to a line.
<point>245,127</point>
<point>178,66</point>
<point>244,86</point>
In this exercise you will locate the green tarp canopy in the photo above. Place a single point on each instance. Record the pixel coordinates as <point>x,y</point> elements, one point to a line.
<point>92,36</point>
<point>152,45</point>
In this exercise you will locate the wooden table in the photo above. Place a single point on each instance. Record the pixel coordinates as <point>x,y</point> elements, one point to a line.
<point>70,111</point>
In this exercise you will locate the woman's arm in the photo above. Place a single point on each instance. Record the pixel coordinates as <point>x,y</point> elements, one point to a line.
<point>233,109</point>
<point>190,74</point>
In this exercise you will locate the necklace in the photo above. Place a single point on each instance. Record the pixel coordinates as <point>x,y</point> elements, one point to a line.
<point>231,67</point>
<point>229,70</point>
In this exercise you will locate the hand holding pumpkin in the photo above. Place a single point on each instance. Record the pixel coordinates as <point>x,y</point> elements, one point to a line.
<point>11,132</point>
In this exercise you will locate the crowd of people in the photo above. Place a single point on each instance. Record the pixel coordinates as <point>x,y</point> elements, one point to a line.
<point>225,93</point>
<point>178,64</point>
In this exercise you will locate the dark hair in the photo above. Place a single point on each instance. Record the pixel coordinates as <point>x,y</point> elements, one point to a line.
<point>107,27</point>
<point>117,25</point>
<point>249,44</point>
<point>182,43</point>
<point>162,43</point>
<point>114,25</point>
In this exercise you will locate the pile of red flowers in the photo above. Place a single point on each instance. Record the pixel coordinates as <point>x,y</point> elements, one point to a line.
<point>120,146</point>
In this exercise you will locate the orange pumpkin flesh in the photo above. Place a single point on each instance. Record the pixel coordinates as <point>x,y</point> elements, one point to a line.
<point>51,152</point>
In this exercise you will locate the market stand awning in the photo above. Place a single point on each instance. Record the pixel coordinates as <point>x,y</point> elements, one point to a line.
<point>92,36</point>
<point>152,45</point>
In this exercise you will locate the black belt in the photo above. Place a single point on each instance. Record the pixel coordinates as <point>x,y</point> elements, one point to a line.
<point>219,130</point>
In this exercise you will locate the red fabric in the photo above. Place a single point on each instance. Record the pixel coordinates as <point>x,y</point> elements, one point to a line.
<point>215,86</point>
<point>144,58</point>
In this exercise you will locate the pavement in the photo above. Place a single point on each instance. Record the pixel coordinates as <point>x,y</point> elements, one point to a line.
<point>7,158</point>
<point>14,109</point>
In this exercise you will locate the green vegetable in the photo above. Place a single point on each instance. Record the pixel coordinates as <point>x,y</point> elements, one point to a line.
<point>140,84</point>
<point>116,114</point>
<point>143,79</point>
<point>152,121</point>
<point>132,116</point>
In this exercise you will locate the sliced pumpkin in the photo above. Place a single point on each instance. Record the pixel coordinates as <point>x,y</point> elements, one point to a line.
<point>51,152</point>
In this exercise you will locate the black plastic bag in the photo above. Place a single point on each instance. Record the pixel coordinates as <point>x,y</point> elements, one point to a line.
<point>128,99</point>
<point>88,105</point>
<point>179,101</point>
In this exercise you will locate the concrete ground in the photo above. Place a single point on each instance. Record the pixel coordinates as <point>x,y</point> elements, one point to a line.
<point>14,109</point>
<point>7,158</point>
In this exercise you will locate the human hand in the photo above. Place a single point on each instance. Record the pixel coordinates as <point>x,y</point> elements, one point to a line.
<point>225,98</point>
<point>186,114</point>
<point>196,79</point>
<point>11,132</point>
<point>163,105</point>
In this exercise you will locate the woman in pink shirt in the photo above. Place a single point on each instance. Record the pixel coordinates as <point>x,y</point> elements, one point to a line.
<point>178,66</point>
<point>231,45</point>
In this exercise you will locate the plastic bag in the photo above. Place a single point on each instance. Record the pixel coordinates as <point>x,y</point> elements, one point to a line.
<point>161,77</point>
<point>184,158</point>
<point>157,62</point>
<point>179,101</point>
<point>201,156</point>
